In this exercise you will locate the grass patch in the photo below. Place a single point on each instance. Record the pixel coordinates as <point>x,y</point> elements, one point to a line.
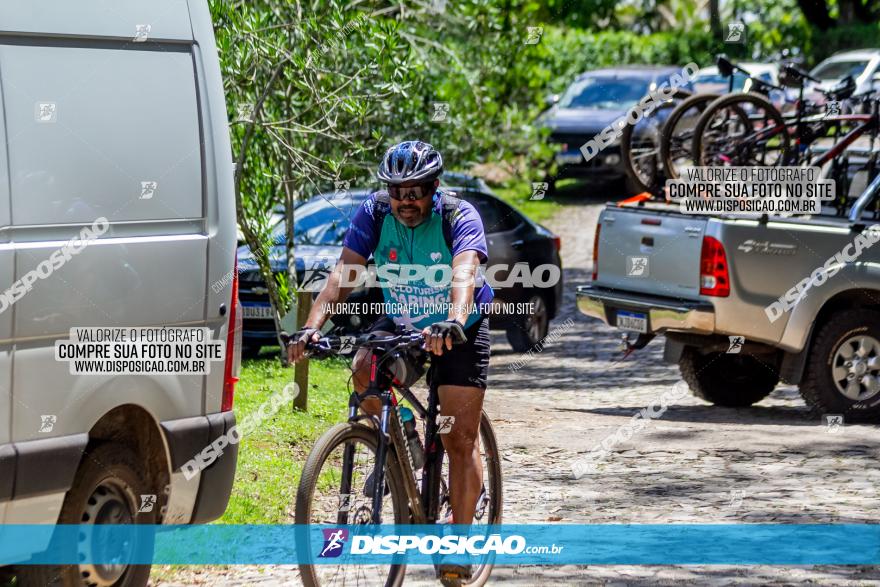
<point>270,459</point>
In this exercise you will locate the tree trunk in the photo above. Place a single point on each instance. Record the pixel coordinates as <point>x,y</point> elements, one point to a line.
<point>260,254</point>
<point>301,370</point>
<point>715,18</point>
<point>846,12</point>
<point>816,13</point>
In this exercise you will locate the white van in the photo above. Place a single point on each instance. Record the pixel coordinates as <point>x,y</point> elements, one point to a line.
<point>113,130</point>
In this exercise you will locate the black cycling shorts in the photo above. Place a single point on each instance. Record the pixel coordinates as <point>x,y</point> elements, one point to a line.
<point>467,364</point>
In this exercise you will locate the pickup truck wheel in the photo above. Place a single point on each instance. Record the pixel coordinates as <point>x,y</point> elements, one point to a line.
<point>843,368</point>
<point>730,380</point>
<point>107,490</point>
<point>531,329</point>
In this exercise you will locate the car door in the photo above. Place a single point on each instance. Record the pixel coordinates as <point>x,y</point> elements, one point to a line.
<point>6,273</point>
<point>504,241</point>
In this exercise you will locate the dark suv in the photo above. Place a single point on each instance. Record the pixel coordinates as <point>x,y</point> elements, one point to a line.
<point>591,103</point>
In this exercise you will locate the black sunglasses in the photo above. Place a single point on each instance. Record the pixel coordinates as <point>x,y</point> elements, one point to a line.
<point>413,193</point>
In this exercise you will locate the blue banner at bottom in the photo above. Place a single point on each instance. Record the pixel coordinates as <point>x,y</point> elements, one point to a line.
<point>600,544</point>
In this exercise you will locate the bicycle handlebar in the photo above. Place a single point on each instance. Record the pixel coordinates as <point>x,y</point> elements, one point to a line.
<point>726,68</point>
<point>347,344</point>
<point>798,72</point>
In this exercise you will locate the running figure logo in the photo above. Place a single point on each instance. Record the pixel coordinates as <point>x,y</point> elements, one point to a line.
<point>334,540</point>
<point>736,344</point>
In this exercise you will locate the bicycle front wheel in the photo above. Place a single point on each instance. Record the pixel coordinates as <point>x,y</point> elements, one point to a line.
<point>336,488</point>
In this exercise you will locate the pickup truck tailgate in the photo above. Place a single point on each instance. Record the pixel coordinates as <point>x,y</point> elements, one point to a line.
<point>650,251</point>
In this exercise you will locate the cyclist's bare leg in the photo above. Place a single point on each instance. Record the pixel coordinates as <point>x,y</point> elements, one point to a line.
<point>463,447</point>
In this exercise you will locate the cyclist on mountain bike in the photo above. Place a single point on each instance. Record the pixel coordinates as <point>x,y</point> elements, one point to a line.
<point>416,223</point>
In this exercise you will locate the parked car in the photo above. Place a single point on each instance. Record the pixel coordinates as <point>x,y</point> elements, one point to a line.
<point>591,103</point>
<point>862,64</point>
<point>96,127</point>
<point>320,225</point>
<point>705,279</point>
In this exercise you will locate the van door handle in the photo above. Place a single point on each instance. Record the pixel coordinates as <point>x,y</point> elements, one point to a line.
<point>517,244</point>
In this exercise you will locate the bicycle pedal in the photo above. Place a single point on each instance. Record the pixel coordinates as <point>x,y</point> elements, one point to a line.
<point>453,574</point>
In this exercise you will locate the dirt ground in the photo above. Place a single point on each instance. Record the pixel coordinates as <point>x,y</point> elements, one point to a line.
<point>696,463</point>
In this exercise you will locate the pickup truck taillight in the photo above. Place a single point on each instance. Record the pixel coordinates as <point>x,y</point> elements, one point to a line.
<point>232,366</point>
<point>714,276</point>
<point>596,251</point>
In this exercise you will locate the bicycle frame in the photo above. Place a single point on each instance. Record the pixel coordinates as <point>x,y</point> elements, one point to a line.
<point>424,501</point>
<point>869,123</point>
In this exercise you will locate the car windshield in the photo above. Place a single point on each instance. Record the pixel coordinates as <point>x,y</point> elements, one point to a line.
<point>605,92</point>
<point>319,222</point>
<point>839,69</point>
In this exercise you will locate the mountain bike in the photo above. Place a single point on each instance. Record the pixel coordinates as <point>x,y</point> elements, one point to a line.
<point>746,129</point>
<point>343,474</point>
<point>678,131</point>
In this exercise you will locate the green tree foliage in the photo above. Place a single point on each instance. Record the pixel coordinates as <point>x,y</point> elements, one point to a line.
<point>317,89</point>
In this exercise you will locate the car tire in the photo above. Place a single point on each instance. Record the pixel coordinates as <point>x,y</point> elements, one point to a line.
<point>110,475</point>
<point>528,331</point>
<point>730,380</point>
<point>851,332</point>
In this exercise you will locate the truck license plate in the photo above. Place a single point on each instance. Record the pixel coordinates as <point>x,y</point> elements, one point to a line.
<point>634,321</point>
<point>257,312</point>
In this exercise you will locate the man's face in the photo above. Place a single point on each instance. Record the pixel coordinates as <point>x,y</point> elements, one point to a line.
<point>412,212</point>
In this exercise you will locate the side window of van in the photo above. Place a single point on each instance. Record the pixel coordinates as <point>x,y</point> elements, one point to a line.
<point>101,132</point>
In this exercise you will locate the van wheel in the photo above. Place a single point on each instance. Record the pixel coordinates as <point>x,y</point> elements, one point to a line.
<point>531,329</point>
<point>107,489</point>
<point>730,380</point>
<point>843,368</point>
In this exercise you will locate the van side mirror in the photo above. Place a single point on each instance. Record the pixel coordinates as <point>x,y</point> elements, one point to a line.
<point>551,100</point>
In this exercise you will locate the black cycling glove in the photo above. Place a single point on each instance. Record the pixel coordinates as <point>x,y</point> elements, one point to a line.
<point>449,328</point>
<point>301,335</point>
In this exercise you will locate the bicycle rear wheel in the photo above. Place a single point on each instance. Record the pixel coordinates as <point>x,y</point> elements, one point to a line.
<point>640,145</point>
<point>741,130</point>
<point>322,499</point>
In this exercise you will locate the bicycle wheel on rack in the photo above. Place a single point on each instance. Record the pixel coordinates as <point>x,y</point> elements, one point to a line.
<point>677,137</point>
<point>741,130</point>
<point>640,145</point>
<point>489,504</point>
<point>331,492</point>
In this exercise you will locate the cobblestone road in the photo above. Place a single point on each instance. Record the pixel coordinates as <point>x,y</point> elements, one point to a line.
<point>695,464</point>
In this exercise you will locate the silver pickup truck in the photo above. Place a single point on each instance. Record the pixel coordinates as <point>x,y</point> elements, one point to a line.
<point>745,303</point>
